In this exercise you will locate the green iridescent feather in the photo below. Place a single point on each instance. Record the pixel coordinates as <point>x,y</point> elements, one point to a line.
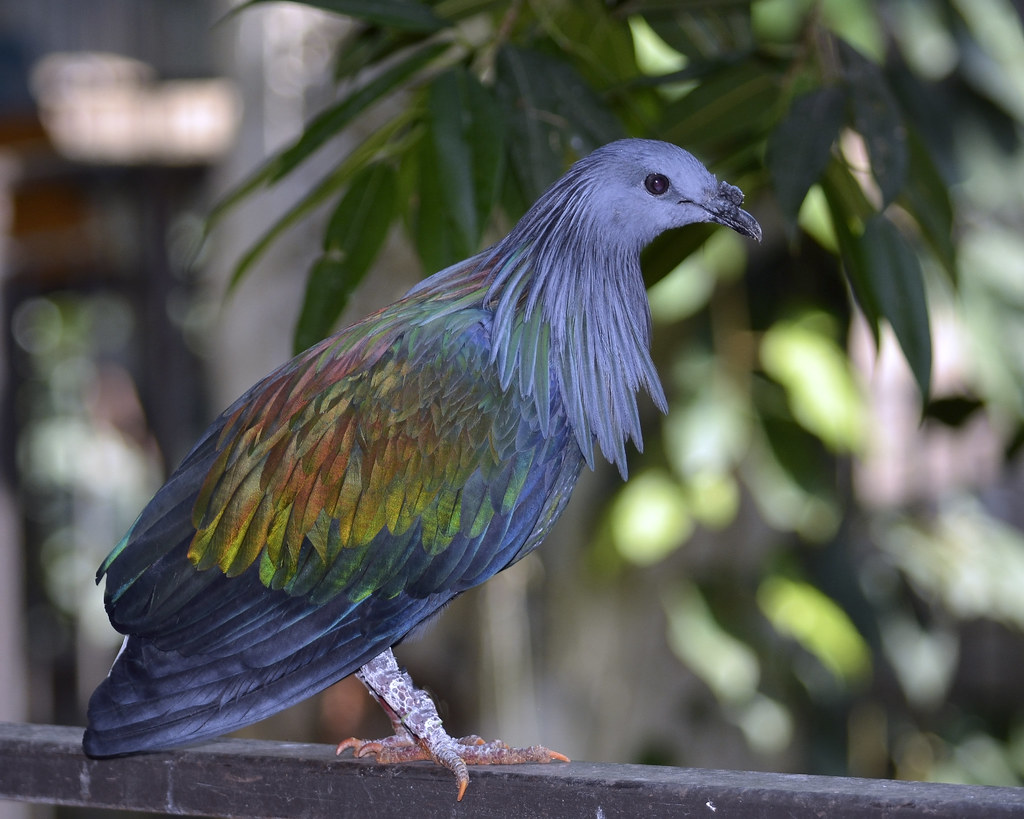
<point>368,431</point>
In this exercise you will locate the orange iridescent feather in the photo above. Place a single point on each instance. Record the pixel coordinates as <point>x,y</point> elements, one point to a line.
<point>350,440</point>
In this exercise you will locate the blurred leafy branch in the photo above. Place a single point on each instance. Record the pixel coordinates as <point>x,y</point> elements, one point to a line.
<point>847,138</point>
<point>497,98</point>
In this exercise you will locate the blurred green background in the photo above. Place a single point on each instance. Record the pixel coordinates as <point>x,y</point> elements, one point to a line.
<point>817,564</point>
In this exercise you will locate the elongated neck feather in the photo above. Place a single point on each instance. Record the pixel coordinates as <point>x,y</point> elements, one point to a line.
<point>569,304</point>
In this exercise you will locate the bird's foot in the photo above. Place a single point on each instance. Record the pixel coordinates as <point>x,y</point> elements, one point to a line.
<point>419,734</point>
<point>398,748</point>
<point>453,754</point>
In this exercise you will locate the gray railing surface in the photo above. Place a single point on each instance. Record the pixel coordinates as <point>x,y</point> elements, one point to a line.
<point>250,778</point>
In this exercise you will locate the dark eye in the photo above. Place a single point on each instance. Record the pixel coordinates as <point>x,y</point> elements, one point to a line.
<point>656,183</point>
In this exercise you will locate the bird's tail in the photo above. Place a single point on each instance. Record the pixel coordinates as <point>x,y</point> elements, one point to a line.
<point>154,699</point>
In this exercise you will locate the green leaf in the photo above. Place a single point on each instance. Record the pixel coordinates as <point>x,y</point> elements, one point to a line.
<point>513,201</point>
<point>849,210</point>
<point>536,160</point>
<point>327,279</point>
<point>382,142</point>
<point>354,236</point>
<point>407,15</point>
<point>847,193</point>
<point>486,135</point>
<point>877,118</point>
<point>329,123</point>
<point>926,198</point>
<point>599,45</point>
<point>703,30</point>
<point>804,613</point>
<point>897,282</point>
<point>322,128</point>
<point>800,146</point>
<point>665,253</point>
<point>435,241</point>
<point>467,134</point>
<point>364,46</point>
<point>732,107</point>
<point>799,452</point>
<point>360,222</point>
<point>553,116</point>
<point>804,355</point>
<point>453,155</point>
<point>1016,444</point>
<point>953,410</point>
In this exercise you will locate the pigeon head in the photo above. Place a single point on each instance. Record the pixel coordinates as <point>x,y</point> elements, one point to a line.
<point>566,286</point>
<point>640,188</point>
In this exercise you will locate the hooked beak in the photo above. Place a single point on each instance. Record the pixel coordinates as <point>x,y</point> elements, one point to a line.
<point>723,206</point>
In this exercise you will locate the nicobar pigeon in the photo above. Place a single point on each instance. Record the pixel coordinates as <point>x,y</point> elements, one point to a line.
<point>355,490</point>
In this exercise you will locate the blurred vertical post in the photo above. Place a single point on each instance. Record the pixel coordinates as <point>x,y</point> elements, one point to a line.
<point>17,126</point>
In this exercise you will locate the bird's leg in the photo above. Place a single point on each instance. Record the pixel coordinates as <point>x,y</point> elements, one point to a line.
<point>419,733</point>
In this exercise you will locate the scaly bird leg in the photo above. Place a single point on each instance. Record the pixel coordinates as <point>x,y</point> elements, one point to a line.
<point>419,734</point>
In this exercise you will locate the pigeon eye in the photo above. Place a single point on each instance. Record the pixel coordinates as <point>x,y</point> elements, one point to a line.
<point>656,183</point>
